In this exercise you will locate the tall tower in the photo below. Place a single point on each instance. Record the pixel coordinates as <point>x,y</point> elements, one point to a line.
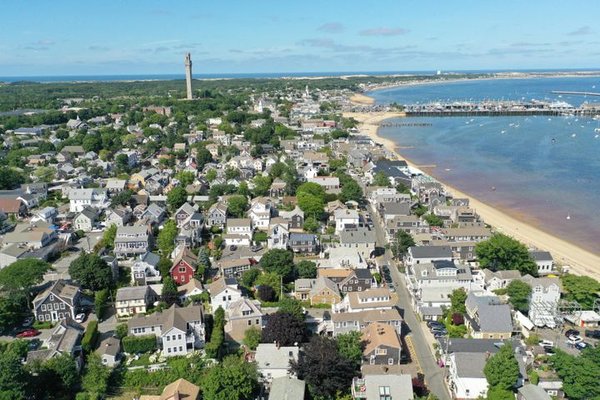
<point>188,75</point>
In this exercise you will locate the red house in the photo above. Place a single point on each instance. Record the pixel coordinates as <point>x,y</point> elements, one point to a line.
<point>184,266</point>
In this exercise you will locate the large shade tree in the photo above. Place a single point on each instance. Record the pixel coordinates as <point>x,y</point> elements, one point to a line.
<point>501,252</point>
<point>91,272</point>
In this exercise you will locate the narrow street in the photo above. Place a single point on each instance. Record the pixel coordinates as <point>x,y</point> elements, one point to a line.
<point>434,375</point>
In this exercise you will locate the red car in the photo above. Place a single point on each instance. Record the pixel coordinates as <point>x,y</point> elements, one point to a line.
<point>28,333</point>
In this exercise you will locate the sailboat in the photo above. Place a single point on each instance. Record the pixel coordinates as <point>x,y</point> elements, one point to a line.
<point>568,216</point>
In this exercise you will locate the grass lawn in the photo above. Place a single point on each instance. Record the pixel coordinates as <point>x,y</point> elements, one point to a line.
<point>144,360</point>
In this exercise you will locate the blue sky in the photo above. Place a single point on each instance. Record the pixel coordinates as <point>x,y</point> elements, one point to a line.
<point>40,37</point>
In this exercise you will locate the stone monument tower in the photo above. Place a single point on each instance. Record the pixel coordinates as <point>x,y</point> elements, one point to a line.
<point>188,75</point>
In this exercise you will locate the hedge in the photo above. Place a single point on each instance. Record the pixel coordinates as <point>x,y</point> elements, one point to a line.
<point>139,344</point>
<point>90,337</point>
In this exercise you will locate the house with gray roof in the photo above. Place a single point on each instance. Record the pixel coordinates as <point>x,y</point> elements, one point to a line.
<point>287,388</point>
<point>134,300</point>
<point>532,392</point>
<point>60,301</point>
<point>85,220</point>
<point>273,361</point>
<point>466,379</point>
<point>427,254</point>
<point>109,351</point>
<point>65,339</point>
<point>178,330</point>
<point>132,241</point>
<point>81,198</point>
<point>360,240</point>
<point>499,279</point>
<point>544,261</point>
<point>487,317</point>
<point>383,386</point>
<point>145,269</point>
<point>304,243</point>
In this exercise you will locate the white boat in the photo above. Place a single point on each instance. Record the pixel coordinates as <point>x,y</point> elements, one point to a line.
<point>568,216</point>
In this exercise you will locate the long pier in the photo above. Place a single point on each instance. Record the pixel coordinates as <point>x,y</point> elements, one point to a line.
<point>575,93</point>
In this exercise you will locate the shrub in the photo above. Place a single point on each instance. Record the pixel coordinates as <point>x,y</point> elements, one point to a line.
<point>90,337</point>
<point>139,344</point>
<point>100,302</point>
<point>43,325</point>
<point>122,331</point>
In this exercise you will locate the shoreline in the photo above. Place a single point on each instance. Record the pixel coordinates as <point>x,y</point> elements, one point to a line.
<point>580,261</point>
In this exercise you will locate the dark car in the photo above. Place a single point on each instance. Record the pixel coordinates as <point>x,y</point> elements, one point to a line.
<point>431,324</point>
<point>571,332</point>
<point>593,334</point>
<point>438,335</point>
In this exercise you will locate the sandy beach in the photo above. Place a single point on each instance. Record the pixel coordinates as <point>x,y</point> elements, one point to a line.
<point>361,99</point>
<point>580,261</point>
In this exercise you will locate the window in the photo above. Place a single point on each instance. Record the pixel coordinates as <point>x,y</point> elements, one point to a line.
<point>180,348</point>
<point>56,306</point>
<point>390,361</point>
<point>168,338</point>
<point>384,393</point>
<point>51,298</point>
<point>179,336</point>
<point>43,307</point>
<point>181,269</point>
<point>257,321</point>
<point>381,352</point>
<point>62,306</point>
<point>249,322</point>
<point>168,350</point>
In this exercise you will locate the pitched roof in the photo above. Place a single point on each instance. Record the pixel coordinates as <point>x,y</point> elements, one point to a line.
<point>59,289</point>
<point>270,355</point>
<point>186,255</point>
<point>357,235</point>
<point>378,334</point>
<point>221,284</point>
<point>181,389</point>
<point>174,317</point>
<point>470,365</point>
<point>541,255</point>
<point>132,293</point>
<point>287,388</point>
<point>10,206</point>
<point>430,251</point>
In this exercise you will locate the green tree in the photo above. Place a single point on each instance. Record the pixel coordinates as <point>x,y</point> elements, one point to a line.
<point>169,291</point>
<point>325,370</point>
<point>249,277</point>
<point>272,280</point>
<point>581,289</point>
<point>95,378</point>
<point>20,276</point>
<point>232,379</point>
<point>237,206</point>
<point>211,175</point>
<point>403,241</point>
<point>10,178</point>
<point>578,373</point>
<point>502,369</point>
<point>433,220</point>
<point>56,378</point>
<point>45,174</point>
<point>290,305</point>
<point>91,272</point>
<point>351,191</point>
<point>262,184</point>
<point>108,238</point>
<point>380,179</point>
<point>283,328</point>
<point>13,377</point>
<point>252,337</point>
<point>100,302</point>
<point>203,157</point>
<point>176,197</point>
<point>185,178</point>
<point>121,198</point>
<point>311,225</point>
<point>311,205</point>
<point>11,311</point>
<point>501,252</point>
<point>313,189</point>
<point>457,301</point>
<point>166,238</point>
<point>497,393</point>
<point>279,261</point>
<point>306,269</point>
<point>351,346</point>
<point>518,293</point>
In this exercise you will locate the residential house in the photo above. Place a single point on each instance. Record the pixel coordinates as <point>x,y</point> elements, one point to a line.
<point>12,207</point>
<point>82,198</point>
<point>358,280</point>
<point>277,188</point>
<point>179,330</point>
<point>46,215</point>
<point>543,300</point>
<point>260,213</point>
<point>370,299</point>
<point>407,223</point>
<point>134,300</point>
<point>240,316</point>
<point>184,212</point>
<point>383,387</point>
<point>132,241</point>
<point>318,291</point>
<point>345,219</point>
<point>65,339</point>
<point>114,185</point>
<point>499,279</point>
<point>223,292</point>
<point>287,388</point>
<point>345,322</point>
<point>487,318</point>
<point>154,214</point>
<point>585,319</point>
<point>360,240</point>
<point>181,389</point>
<point>236,267</point>
<point>60,301</point>
<point>273,360</point>
<point>278,234</point>
<point>304,243</point>
<point>33,236</point>
<point>294,217</point>
<point>532,392</point>
<point>145,269</point>
<point>118,216</point>
<point>184,266</point>
<point>466,379</point>
<point>382,345</point>
<point>544,261</point>
<point>193,288</point>
<point>467,234</point>
<point>109,351</point>
<point>331,184</point>
<point>427,254</point>
<point>85,220</point>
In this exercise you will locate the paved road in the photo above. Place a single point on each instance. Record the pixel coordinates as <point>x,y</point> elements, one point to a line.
<point>434,375</point>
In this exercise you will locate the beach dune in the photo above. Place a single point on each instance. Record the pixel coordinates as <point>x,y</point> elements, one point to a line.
<point>579,261</point>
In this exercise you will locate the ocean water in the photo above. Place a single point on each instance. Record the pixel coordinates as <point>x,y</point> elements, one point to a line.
<point>543,169</point>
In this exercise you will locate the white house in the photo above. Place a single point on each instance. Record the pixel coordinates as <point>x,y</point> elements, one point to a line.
<point>543,300</point>
<point>345,217</point>
<point>544,261</point>
<point>273,361</point>
<point>178,330</point>
<point>465,375</point>
<point>260,213</point>
<point>223,292</point>
<point>81,198</point>
<point>134,300</point>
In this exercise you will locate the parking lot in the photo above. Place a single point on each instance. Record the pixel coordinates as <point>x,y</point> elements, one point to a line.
<point>557,336</point>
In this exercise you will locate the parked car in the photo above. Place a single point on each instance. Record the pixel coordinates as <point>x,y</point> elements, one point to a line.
<point>438,335</point>
<point>593,334</point>
<point>571,332</point>
<point>581,345</point>
<point>80,317</point>
<point>431,324</point>
<point>549,350</point>
<point>546,343</point>
<point>576,338</point>
<point>28,333</point>
<point>27,322</point>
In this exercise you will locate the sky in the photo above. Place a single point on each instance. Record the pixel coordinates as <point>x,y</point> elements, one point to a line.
<point>64,37</point>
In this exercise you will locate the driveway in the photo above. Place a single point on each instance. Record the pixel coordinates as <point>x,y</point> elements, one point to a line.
<point>434,375</point>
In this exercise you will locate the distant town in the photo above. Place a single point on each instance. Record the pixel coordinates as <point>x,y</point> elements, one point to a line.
<point>256,240</point>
